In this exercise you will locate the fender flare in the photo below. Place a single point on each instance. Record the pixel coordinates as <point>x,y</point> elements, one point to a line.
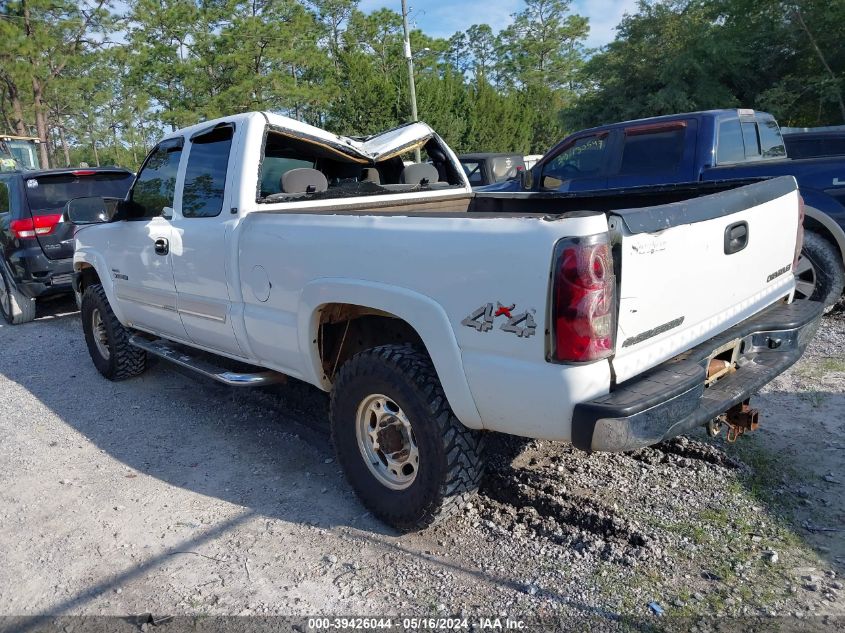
<point>422,313</point>
<point>98,263</point>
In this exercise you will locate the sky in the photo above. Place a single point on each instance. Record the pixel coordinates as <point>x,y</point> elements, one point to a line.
<point>441,18</point>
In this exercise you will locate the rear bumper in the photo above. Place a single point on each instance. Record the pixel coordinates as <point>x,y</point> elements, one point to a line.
<point>671,398</point>
<point>37,276</point>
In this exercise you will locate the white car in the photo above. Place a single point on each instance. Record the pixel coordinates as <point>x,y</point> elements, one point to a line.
<point>434,314</point>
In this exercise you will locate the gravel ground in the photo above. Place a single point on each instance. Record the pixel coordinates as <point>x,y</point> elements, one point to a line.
<point>169,494</point>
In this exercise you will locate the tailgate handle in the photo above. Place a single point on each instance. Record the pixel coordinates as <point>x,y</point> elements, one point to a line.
<point>736,237</point>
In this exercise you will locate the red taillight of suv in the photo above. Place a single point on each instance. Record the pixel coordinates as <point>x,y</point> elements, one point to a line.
<point>37,225</point>
<point>799,238</point>
<point>583,300</point>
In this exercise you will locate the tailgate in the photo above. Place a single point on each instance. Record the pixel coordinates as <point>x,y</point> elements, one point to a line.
<point>690,270</point>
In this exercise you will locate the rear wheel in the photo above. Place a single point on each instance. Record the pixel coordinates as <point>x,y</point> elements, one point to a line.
<point>406,455</point>
<point>819,274</point>
<point>107,340</point>
<point>15,307</point>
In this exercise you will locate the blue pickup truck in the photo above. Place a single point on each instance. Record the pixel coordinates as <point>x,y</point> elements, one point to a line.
<point>716,145</point>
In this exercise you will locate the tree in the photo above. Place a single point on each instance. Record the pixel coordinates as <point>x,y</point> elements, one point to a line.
<point>42,37</point>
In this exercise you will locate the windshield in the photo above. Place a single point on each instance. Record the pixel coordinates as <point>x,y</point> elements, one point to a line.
<point>50,193</point>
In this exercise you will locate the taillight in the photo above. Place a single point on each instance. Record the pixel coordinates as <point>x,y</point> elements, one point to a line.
<point>38,225</point>
<point>799,238</point>
<point>583,304</point>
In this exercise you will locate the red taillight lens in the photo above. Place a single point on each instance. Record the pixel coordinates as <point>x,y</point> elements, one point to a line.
<point>38,225</point>
<point>583,305</point>
<point>799,238</point>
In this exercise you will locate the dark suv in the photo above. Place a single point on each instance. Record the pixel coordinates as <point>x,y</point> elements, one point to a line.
<point>36,245</point>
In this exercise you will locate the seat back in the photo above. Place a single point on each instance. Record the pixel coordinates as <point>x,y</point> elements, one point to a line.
<point>304,180</point>
<point>370,174</point>
<point>419,174</point>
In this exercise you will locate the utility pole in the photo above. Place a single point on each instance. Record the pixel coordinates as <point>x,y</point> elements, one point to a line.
<point>410,59</point>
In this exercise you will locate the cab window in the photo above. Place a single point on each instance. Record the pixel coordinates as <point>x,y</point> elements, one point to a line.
<point>730,147</point>
<point>653,150</point>
<point>156,183</point>
<point>771,140</point>
<point>473,172</point>
<point>5,197</point>
<point>205,174</point>
<point>750,140</point>
<point>583,158</point>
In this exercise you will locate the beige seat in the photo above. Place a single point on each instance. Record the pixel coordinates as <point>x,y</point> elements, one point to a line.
<point>304,180</point>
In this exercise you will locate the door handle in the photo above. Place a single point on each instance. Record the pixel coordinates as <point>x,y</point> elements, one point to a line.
<point>736,237</point>
<point>162,246</point>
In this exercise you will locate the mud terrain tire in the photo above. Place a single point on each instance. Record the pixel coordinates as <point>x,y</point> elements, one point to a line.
<point>401,380</point>
<point>107,339</point>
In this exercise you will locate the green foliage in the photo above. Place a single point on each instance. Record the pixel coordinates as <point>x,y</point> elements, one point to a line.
<point>682,55</point>
<point>100,80</point>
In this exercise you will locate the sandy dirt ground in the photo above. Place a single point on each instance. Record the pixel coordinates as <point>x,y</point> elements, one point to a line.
<point>169,494</point>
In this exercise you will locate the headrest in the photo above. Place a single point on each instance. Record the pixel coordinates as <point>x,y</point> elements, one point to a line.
<point>370,174</point>
<point>304,180</point>
<point>419,174</point>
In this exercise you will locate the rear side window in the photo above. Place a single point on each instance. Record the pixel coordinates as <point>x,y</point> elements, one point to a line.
<point>771,140</point>
<point>156,183</point>
<point>730,147</point>
<point>49,193</point>
<point>205,175</point>
<point>652,151</point>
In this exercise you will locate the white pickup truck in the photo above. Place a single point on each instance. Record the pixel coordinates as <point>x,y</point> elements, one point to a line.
<point>255,247</point>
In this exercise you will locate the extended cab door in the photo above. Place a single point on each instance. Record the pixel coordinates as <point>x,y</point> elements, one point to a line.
<point>580,165</point>
<point>202,223</point>
<point>139,249</point>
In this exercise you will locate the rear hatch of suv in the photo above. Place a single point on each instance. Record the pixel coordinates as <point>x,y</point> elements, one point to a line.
<point>48,193</point>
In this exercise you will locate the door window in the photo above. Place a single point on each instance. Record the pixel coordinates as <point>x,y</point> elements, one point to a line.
<point>582,159</point>
<point>156,183</point>
<point>205,174</point>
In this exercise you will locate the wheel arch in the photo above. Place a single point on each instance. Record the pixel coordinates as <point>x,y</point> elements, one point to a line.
<point>821,223</point>
<point>412,315</point>
<point>91,268</point>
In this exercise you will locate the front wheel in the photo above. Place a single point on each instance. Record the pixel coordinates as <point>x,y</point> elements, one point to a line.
<point>819,275</point>
<point>406,455</point>
<point>107,339</point>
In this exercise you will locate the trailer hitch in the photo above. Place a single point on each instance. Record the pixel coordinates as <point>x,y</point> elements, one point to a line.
<point>741,418</point>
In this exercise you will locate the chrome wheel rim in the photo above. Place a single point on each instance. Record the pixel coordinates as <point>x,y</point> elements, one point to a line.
<point>805,278</point>
<point>386,441</point>
<point>98,331</point>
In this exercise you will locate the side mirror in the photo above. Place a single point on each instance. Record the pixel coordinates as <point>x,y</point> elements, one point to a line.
<point>92,210</point>
<point>526,179</point>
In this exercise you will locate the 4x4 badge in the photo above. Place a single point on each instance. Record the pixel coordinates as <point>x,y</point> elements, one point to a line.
<point>522,324</point>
